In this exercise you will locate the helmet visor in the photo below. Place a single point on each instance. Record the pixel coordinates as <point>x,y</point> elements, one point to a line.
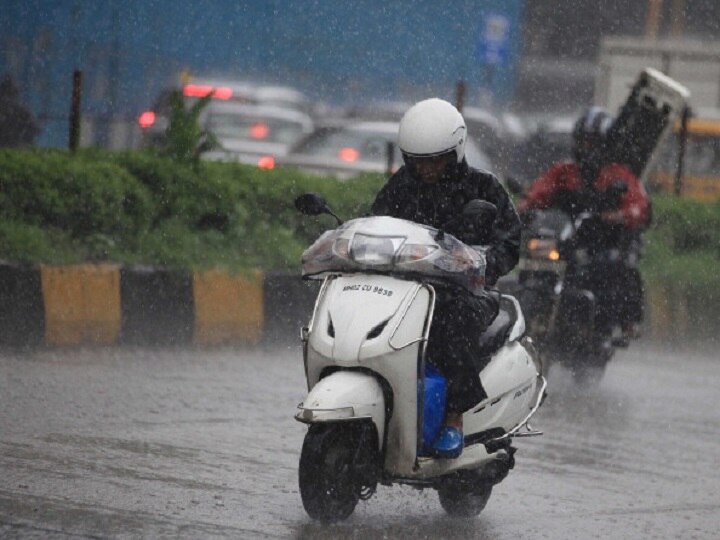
<point>431,168</point>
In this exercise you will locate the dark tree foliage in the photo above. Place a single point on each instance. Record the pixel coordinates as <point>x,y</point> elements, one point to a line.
<point>18,126</point>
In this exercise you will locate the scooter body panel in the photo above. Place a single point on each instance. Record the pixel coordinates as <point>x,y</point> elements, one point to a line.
<point>345,396</point>
<point>385,337</point>
<point>511,382</point>
<point>392,354</point>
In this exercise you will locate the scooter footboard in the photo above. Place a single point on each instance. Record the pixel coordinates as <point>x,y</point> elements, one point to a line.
<point>345,396</point>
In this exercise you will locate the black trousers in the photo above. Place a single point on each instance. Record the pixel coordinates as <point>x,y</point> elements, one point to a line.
<point>634,291</point>
<point>453,347</point>
<point>618,289</point>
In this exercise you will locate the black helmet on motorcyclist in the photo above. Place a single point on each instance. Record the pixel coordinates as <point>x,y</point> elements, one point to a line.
<point>589,140</point>
<point>432,138</point>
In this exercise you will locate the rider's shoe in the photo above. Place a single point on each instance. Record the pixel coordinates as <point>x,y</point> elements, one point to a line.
<point>449,443</point>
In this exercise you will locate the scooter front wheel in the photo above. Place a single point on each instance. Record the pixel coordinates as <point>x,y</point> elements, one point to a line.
<point>329,487</point>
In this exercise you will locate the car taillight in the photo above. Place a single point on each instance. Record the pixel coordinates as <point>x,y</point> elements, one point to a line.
<point>266,162</point>
<point>259,130</point>
<point>223,92</point>
<point>348,154</point>
<point>146,119</point>
<point>202,90</point>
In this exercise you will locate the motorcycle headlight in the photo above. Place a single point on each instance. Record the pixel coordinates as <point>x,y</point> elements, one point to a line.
<point>543,248</point>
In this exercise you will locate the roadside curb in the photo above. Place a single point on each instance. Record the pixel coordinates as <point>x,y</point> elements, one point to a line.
<point>108,304</point>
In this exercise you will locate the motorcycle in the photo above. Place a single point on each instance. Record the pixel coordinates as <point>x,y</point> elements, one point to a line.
<point>570,311</point>
<point>375,405</point>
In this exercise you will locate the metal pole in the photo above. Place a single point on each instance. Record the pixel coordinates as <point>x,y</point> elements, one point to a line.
<point>652,19</point>
<point>682,143</point>
<point>390,157</point>
<point>677,18</point>
<point>74,141</point>
<point>460,89</point>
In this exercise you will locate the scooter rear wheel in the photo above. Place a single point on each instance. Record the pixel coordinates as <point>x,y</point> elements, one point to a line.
<point>461,502</point>
<point>328,482</point>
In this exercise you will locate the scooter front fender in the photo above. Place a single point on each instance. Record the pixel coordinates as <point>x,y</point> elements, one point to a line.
<point>345,396</point>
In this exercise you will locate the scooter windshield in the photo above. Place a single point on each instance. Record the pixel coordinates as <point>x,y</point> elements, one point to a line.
<point>387,245</point>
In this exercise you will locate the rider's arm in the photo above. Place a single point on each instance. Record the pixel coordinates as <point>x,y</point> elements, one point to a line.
<point>504,247</point>
<point>634,208</point>
<point>543,190</point>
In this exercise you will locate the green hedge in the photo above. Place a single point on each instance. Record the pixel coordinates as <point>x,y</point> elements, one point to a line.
<point>683,244</point>
<point>138,207</point>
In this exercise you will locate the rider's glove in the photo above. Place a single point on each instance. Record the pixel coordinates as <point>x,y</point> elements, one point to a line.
<point>491,269</point>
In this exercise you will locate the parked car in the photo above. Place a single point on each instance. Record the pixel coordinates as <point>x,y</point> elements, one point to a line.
<point>235,107</point>
<point>495,134</point>
<point>245,130</point>
<point>249,92</point>
<point>253,134</point>
<point>346,150</point>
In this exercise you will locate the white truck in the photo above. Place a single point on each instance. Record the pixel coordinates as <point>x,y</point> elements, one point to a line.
<point>694,64</point>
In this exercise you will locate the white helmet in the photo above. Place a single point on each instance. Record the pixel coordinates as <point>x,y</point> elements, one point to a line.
<point>432,127</point>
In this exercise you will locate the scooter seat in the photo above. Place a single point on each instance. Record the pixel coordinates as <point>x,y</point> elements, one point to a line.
<point>497,333</point>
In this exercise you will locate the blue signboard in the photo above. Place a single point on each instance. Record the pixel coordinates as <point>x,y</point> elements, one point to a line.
<point>493,45</point>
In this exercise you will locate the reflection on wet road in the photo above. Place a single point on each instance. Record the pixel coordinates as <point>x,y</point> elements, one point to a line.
<point>202,444</point>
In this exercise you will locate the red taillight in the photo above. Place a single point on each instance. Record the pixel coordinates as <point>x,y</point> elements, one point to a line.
<point>266,162</point>
<point>222,92</point>
<point>146,119</point>
<point>197,90</point>
<point>259,130</point>
<point>202,90</point>
<point>348,154</point>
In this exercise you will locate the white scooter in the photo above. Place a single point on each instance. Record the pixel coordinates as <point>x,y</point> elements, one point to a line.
<point>374,406</point>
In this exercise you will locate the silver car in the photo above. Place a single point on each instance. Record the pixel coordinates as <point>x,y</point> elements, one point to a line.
<point>253,134</point>
<point>347,150</point>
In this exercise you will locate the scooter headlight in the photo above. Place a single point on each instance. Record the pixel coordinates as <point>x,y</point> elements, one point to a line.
<point>371,250</point>
<point>414,252</point>
<point>341,248</point>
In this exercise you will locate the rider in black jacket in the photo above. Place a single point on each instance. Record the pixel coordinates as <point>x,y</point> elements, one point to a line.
<point>432,188</point>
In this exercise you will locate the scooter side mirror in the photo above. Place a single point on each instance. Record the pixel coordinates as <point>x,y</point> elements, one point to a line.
<point>514,186</point>
<point>311,204</point>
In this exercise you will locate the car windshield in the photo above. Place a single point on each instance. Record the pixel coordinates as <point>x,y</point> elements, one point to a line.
<point>226,125</point>
<point>383,244</point>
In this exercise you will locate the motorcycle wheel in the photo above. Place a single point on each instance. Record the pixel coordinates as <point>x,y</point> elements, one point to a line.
<point>462,502</point>
<point>588,375</point>
<point>590,371</point>
<point>328,485</point>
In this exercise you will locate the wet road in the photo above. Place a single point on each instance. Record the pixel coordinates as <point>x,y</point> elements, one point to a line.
<point>128,443</point>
